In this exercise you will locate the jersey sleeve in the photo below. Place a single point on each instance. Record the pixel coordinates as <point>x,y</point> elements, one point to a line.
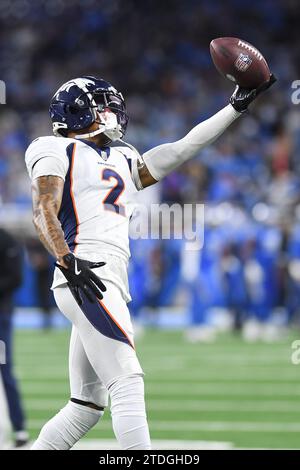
<point>49,166</point>
<point>136,159</point>
<point>47,156</point>
<point>133,157</point>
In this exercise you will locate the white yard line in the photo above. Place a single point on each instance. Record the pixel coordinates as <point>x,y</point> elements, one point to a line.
<point>184,378</point>
<point>193,405</point>
<point>157,444</point>
<point>104,444</point>
<point>214,426</point>
<point>191,356</point>
<point>181,388</point>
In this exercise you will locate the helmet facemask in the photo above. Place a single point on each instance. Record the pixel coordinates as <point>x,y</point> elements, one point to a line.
<point>109,112</point>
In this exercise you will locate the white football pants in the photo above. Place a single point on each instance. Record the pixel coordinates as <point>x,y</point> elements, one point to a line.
<point>103,362</point>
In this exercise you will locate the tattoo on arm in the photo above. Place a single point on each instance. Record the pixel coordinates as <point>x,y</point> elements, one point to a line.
<point>47,194</point>
<point>144,174</point>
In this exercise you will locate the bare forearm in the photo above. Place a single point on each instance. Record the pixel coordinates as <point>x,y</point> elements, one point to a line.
<point>43,239</point>
<point>46,197</point>
<point>50,233</point>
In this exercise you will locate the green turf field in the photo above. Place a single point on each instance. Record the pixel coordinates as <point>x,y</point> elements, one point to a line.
<point>245,394</point>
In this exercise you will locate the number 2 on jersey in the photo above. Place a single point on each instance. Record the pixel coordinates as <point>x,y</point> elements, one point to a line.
<point>110,201</point>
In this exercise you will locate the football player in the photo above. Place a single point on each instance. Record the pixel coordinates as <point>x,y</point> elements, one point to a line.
<point>84,180</point>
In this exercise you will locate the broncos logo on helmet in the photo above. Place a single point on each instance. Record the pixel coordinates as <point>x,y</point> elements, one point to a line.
<point>80,102</point>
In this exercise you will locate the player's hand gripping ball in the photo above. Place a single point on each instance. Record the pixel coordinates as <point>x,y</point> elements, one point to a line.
<point>243,64</point>
<point>240,62</point>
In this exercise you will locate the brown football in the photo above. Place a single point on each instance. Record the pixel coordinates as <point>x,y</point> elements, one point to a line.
<point>239,61</point>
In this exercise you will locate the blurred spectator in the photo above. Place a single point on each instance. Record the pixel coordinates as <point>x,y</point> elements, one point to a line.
<point>157,54</point>
<point>10,280</point>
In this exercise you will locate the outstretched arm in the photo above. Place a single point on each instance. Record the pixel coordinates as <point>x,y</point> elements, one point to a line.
<point>162,160</point>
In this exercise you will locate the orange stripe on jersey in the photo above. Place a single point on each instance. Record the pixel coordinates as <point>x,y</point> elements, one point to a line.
<point>115,321</point>
<point>73,197</point>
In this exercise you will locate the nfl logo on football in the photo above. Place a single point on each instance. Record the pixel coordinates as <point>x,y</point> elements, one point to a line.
<point>243,62</point>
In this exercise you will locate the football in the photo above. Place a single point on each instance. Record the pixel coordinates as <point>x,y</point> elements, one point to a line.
<point>239,61</point>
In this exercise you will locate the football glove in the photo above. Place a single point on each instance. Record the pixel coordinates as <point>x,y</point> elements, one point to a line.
<point>242,97</point>
<point>81,279</point>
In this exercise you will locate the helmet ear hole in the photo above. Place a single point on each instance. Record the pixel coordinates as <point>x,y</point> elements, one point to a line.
<point>72,109</point>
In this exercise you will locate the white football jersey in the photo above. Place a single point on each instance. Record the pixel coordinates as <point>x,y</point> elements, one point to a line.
<point>99,191</point>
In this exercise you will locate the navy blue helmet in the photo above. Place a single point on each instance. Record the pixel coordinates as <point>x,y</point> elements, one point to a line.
<point>79,103</point>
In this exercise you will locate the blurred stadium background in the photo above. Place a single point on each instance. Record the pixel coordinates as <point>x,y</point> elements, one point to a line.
<point>215,327</point>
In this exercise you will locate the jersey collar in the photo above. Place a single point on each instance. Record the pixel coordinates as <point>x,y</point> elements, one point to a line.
<point>104,152</point>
